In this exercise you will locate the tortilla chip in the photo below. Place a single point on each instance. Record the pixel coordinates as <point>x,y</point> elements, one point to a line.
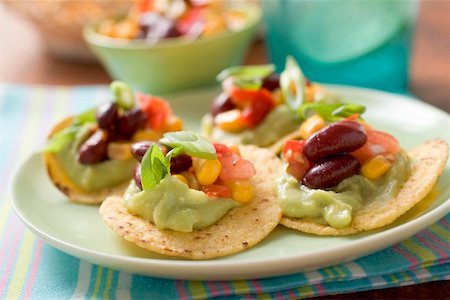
<point>66,185</point>
<point>240,229</point>
<point>428,162</point>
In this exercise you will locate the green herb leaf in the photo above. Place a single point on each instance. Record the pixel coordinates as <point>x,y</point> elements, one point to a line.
<point>123,94</point>
<point>192,144</point>
<point>61,138</point>
<point>85,117</point>
<point>154,167</point>
<point>254,71</point>
<point>331,112</point>
<point>248,83</point>
<point>293,84</point>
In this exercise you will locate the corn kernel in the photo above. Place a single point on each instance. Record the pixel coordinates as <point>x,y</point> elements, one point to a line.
<point>174,123</point>
<point>375,167</point>
<point>241,190</point>
<point>207,170</point>
<point>311,126</point>
<point>146,135</point>
<point>181,178</point>
<point>230,121</point>
<point>192,181</point>
<point>119,150</point>
<point>277,95</point>
<point>309,94</point>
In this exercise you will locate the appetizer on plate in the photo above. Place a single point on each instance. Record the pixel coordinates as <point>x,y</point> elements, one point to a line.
<point>345,176</point>
<point>88,156</point>
<point>194,199</point>
<point>258,106</point>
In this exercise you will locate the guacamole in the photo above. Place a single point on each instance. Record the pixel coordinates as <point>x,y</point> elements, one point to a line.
<point>335,207</point>
<point>96,177</point>
<point>173,205</point>
<point>278,123</point>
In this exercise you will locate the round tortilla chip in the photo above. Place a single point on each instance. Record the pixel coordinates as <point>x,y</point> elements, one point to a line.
<point>240,229</point>
<point>428,162</point>
<point>66,185</point>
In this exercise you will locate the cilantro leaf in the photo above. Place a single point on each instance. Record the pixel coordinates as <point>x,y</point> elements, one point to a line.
<point>331,112</point>
<point>154,167</point>
<point>191,143</point>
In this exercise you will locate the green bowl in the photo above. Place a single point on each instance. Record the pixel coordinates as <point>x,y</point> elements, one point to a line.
<point>174,64</point>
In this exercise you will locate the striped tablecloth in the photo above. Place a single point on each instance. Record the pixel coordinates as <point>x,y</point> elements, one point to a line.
<point>31,269</point>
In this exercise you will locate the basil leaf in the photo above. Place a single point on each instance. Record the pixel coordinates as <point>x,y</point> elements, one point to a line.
<point>331,112</point>
<point>61,138</point>
<point>192,144</point>
<point>253,71</point>
<point>123,94</point>
<point>293,84</point>
<point>154,167</point>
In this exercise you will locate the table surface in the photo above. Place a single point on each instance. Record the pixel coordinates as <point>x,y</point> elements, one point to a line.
<point>24,59</point>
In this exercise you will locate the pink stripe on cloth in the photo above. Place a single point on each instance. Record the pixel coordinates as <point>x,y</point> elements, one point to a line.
<point>414,261</point>
<point>212,288</point>
<point>433,246</point>
<point>445,223</point>
<point>18,234</point>
<point>226,289</point>
<point>33,271</point>
<point>182,292</point>
<point>320,289</point>
<point>278,296</point>
<point>256,286</point>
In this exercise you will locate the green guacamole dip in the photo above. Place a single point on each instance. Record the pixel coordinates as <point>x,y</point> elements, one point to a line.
<point>278,123</point>
<point>92,178</point>
<point>173,205</point>
<point>335,207</point>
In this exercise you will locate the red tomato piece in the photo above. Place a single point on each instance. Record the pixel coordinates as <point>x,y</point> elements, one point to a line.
<point>378,142</point>
<point>292,149</point>
<point>216,190</point>
<point>192,23</point>
<point>157,110</point>
<point>222,150</point>
<point>256,105</point>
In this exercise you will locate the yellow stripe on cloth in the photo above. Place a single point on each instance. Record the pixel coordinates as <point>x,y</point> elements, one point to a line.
<point>197,289</point>
<point>98,282</point>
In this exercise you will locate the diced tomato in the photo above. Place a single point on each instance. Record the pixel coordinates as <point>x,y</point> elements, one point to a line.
<point>192,22</point>
<point>143,6</point>
<point>378,142</point>
<point>157,110</point>
<point>256,104</point>
<point>298,168</point>
<point>292,149</point>
<point>216,190</point>
<point>222,150</point>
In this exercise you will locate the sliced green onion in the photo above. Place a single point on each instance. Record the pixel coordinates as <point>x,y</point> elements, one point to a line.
<point>253,71</point>
<point>293,84</point>
<point>123,94</point>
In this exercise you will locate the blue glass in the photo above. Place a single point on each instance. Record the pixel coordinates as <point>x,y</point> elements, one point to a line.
<point>352,42</point>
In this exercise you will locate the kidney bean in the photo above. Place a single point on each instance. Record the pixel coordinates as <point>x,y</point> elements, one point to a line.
<point>221,104</point>
<point>137,175</point>
<point>180,163</point>
<point>341,137</point>
<point>140,148</point>
<point>271,82</point>
<point>94,149</point>
<point>331,171</point>
<point>131,120</point>
<point>107,116</point>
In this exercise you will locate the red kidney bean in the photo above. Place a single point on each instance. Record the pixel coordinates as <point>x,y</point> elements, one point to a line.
<point>131,120</point>
<point>331,171</point>
<point>137,175</point>
<point>271,82</point>
<point>107,116</point>
<point>140,148</point>
<point>341,137</point>
<point>180,163</point>
<point>221,104</point>
<point>94,149</point>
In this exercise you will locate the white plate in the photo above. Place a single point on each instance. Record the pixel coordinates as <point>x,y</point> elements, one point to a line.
<point>79,231</point>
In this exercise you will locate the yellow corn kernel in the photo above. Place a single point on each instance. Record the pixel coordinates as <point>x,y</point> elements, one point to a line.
<point>277,95</point>
<point>192,181</point>
<point>107,27</point>
<point>230,121</point>
<point>375,167</point>
<point>126,29</point>
<point>311,126</point>
<point>207,170</point>
<point>181,178</point>
<point>174,123</point>
<point>146,135</point>
<point>241,190</point>
<point>119,150</point>
<point>309,94</point>
<point>235,149</point>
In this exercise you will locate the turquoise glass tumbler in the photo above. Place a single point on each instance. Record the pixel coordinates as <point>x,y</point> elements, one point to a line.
<point>351,42</point>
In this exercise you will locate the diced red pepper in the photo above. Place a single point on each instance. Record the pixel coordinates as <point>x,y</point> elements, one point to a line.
<point>256,104</point>
<point>192,23</point>
<point>157,110</point>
